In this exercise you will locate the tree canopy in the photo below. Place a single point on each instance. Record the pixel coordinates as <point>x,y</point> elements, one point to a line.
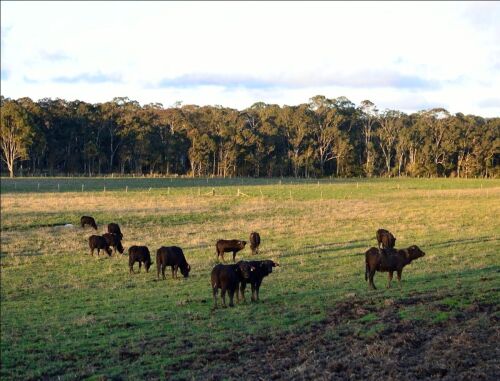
<point>323,137</point>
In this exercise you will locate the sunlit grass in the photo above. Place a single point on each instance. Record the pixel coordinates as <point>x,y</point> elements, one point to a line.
<point>65,313</point>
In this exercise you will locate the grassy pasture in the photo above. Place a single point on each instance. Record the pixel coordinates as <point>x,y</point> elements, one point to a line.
<point>67,315</point>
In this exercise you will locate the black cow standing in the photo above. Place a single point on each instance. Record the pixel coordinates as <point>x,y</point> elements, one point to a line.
<point>262,269</point>
<point>254,242</point>
<point>114,241</point>
<point>227,278</point>
<point>139,254</point>
<point>98,242</point>
<point>87,220</point>
<point>115,229</point>
<point>174,257</point>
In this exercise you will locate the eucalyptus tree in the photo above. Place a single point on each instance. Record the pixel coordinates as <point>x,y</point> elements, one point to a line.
<point>16,133</point>
<point>391,124</point>
<point>369,118</point>
<point>327,120</point>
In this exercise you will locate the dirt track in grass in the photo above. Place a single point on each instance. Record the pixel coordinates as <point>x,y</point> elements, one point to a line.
<point>462,347</point>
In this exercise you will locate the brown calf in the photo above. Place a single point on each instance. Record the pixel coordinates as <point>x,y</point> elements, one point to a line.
<point>389,260</point>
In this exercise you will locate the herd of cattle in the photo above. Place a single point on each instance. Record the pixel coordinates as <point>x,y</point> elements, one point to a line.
<point>235,277</point>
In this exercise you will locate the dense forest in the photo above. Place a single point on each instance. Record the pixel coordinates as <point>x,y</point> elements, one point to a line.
<point>324,137</point>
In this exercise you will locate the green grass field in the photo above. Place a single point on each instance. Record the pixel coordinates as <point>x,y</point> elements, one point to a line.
<point>66,315</point>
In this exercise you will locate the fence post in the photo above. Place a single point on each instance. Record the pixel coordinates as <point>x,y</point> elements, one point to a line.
<point>126,189</point>
<point>38,186</point>
<point>82,187</point>
<point>58,187</point>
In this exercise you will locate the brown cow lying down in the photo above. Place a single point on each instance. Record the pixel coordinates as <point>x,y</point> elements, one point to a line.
<point>115,229</point>
<point>174,257</point>
<point>385,239</point>
<point>254,242</point>
<point>98,242</point>
<point>262,269</point>
<point>87,220</point>
<point>139,254</point>
<point>224,246</point>
<point>227,278</point>
<point>114,241</point>
<point>389,260</point>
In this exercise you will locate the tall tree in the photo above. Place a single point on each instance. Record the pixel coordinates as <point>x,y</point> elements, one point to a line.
<point>16,133</point>
<point>369,118</point>
<point>391,124</point>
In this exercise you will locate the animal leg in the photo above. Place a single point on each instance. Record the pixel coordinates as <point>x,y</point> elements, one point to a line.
<point>140,263</point>
<point>223,297</point>
<point>370,278</point>
<point>257,288</point>
<point>253,292</point>
<point>131,269</point>
<point>231,296</point>
<point>389,279</point>
<point>163,271</point>
<point>234,256</point>
<point>92,252</point>
<point>399,278</point>
<point>242,290</point>
<point>175,270</point>
<point>215,290</point>
<point>172,267</point>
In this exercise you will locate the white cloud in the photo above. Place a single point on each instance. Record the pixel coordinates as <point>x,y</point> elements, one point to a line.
<point>403,55</point>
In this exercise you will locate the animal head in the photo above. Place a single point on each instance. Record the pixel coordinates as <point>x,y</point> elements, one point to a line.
<point>148,264</point>
<point>242,243</point>
<point>245,269</point>
<point>120,247</point>
<point>268,265</point>
<point>185,270</point>
<point>413,252</point>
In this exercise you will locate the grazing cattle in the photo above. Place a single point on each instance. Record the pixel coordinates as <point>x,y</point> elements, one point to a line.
<point>385,239</point>
<point>115,229</point>
<point>227,278</point>
<point>224,246</point>
<point>389,260</point>
<point>254,242</point>
<point>98,242</point>
<point>139,254</point>
<point>174,257</point>
<point>87,220</point>
<point>262,269</point>
<point>114,241</point>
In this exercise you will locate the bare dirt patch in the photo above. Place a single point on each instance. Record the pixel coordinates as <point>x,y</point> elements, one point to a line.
<point>342,347</point>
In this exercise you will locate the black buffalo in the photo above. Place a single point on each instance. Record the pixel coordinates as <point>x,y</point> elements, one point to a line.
<point>98,242</point>
<point>174,257</point>
<point>114,241</point>
<point>254,242</point>
<point>139,254</point>
<point>115,229</point>
<point>87,220</point>
<point>227,278</point>
<point>262,269</point>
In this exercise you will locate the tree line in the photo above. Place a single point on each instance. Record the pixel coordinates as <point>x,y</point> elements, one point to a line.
<point>324,137</point>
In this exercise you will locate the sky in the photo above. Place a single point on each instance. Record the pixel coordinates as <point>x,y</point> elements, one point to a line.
<point>404,56</point>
